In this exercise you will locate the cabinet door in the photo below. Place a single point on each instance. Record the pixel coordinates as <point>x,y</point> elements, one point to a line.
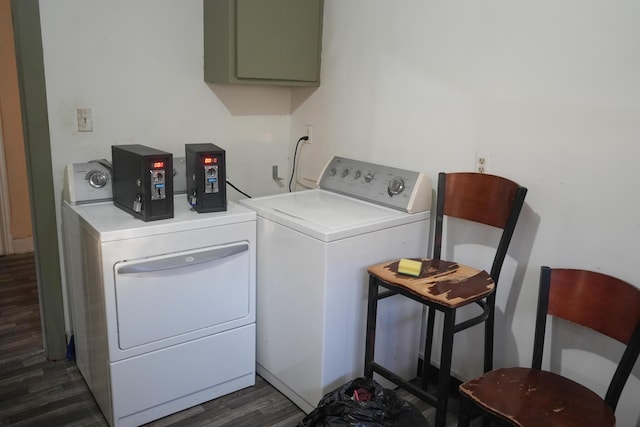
<point>263,42</point>
<point>277,39</point>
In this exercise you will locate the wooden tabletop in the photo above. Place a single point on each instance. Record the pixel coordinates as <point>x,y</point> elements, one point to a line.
<point>447,283</point>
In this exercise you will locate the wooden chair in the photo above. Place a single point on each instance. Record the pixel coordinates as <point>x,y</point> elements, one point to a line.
<point>533,397</point>
<point>482,198</point>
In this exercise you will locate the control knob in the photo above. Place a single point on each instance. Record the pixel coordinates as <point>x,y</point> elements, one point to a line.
<point>97,179</point>
<point>396,186</point>
<point>368,177</point>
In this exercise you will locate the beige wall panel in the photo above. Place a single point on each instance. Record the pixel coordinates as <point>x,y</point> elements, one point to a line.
<point>12,129</point>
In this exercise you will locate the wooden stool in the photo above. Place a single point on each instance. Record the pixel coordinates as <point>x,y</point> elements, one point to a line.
<point>443,286</point>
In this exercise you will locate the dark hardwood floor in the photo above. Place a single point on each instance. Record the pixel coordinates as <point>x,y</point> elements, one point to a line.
<point>37,392</point>
<point>20,330</point>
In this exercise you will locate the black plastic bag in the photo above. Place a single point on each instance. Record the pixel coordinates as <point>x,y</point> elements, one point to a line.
<point>363,403</point>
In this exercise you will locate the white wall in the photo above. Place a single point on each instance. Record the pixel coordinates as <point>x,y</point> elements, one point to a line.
<point>138,66</point>
<point>550,88</point>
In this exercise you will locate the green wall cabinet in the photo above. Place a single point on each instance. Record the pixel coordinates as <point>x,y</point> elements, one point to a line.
<point>267,42</point>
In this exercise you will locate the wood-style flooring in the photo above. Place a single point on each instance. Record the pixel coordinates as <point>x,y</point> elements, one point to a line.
<point>37,392</point>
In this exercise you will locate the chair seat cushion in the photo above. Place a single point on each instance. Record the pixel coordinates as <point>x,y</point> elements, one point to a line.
<point>443,282</point>
<point>531,397</point>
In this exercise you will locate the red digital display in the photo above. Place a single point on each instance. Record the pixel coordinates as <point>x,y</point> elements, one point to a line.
<point>210,160</point>
<point>157,165</point>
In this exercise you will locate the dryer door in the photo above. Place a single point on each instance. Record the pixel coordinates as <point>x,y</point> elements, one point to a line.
<point>170,295</point>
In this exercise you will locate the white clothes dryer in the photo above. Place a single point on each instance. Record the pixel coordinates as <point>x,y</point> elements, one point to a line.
<point>163,311</point>
<point>314,248</point>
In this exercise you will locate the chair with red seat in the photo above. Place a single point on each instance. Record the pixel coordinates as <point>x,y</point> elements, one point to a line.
<point>532,397</point>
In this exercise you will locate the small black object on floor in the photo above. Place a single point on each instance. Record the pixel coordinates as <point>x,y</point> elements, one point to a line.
<point>365,403</point>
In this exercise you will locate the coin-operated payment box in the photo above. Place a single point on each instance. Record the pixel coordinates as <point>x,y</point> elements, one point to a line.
<point>143,181</point>
<point>206,177</point>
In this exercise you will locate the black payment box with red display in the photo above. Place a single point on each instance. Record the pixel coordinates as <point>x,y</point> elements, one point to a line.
<point>206,177</point>
<point>143,181</point>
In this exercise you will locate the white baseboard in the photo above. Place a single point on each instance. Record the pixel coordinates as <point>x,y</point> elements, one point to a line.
<point>21,246</point>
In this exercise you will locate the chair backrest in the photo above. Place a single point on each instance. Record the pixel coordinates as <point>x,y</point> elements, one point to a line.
<point>483,198</point>
<point>597,301</point>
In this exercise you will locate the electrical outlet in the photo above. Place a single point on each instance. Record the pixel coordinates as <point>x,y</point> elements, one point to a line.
<point>85,120</point>
<point>309,130</point>
<point>483,158</point>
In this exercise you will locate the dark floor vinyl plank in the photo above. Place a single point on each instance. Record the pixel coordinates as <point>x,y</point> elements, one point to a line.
<point>179,419</point>
<point>20,270</point>
<point>20,263</point>
<point>254,414</point>
<point>226,416</point>
<point>9,285</point>
<point>290,421</point>
<point>8,395</point>
<point>252,418</point>
<point>10,366</point>
<point>253,397</point>
<point>16,275</point>
<point>18,296</point>
<point>22,345</point>
<point>283,413</point>
<point>29,313</point>
<point>12,303</point>
<point>24,314</point>
<point>27,358</point>
<point>58,378</point>
<point>195,417</point>
<point>20,378</point>
<point>202,419</point>
<point>19,330</point>
<point>24,336</point>
<point>72,412</point>
<point>54,405</point>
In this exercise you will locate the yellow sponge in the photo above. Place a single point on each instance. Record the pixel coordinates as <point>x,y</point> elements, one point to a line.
<point>410,267</point>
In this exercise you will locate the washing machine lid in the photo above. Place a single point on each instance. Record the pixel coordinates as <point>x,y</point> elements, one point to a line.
<point>111,223</point>
<point>329,216</point>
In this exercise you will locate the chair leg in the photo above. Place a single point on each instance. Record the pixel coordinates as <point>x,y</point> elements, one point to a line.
<point>464,413</point>
<point>372,310</point>
<point>428,346</point>
<point>444,376</point>
<point>488,333</point>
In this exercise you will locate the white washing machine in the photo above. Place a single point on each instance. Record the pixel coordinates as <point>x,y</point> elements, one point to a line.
<point>163,311</point>
<point>314,248</point>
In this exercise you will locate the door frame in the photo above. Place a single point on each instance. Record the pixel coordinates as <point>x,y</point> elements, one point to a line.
<point>35,123</point>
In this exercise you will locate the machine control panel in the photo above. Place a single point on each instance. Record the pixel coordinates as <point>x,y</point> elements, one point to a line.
<point>396,188</point>
<point>87,182</point>
<point>158,184</point>
<point>211,184</point>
